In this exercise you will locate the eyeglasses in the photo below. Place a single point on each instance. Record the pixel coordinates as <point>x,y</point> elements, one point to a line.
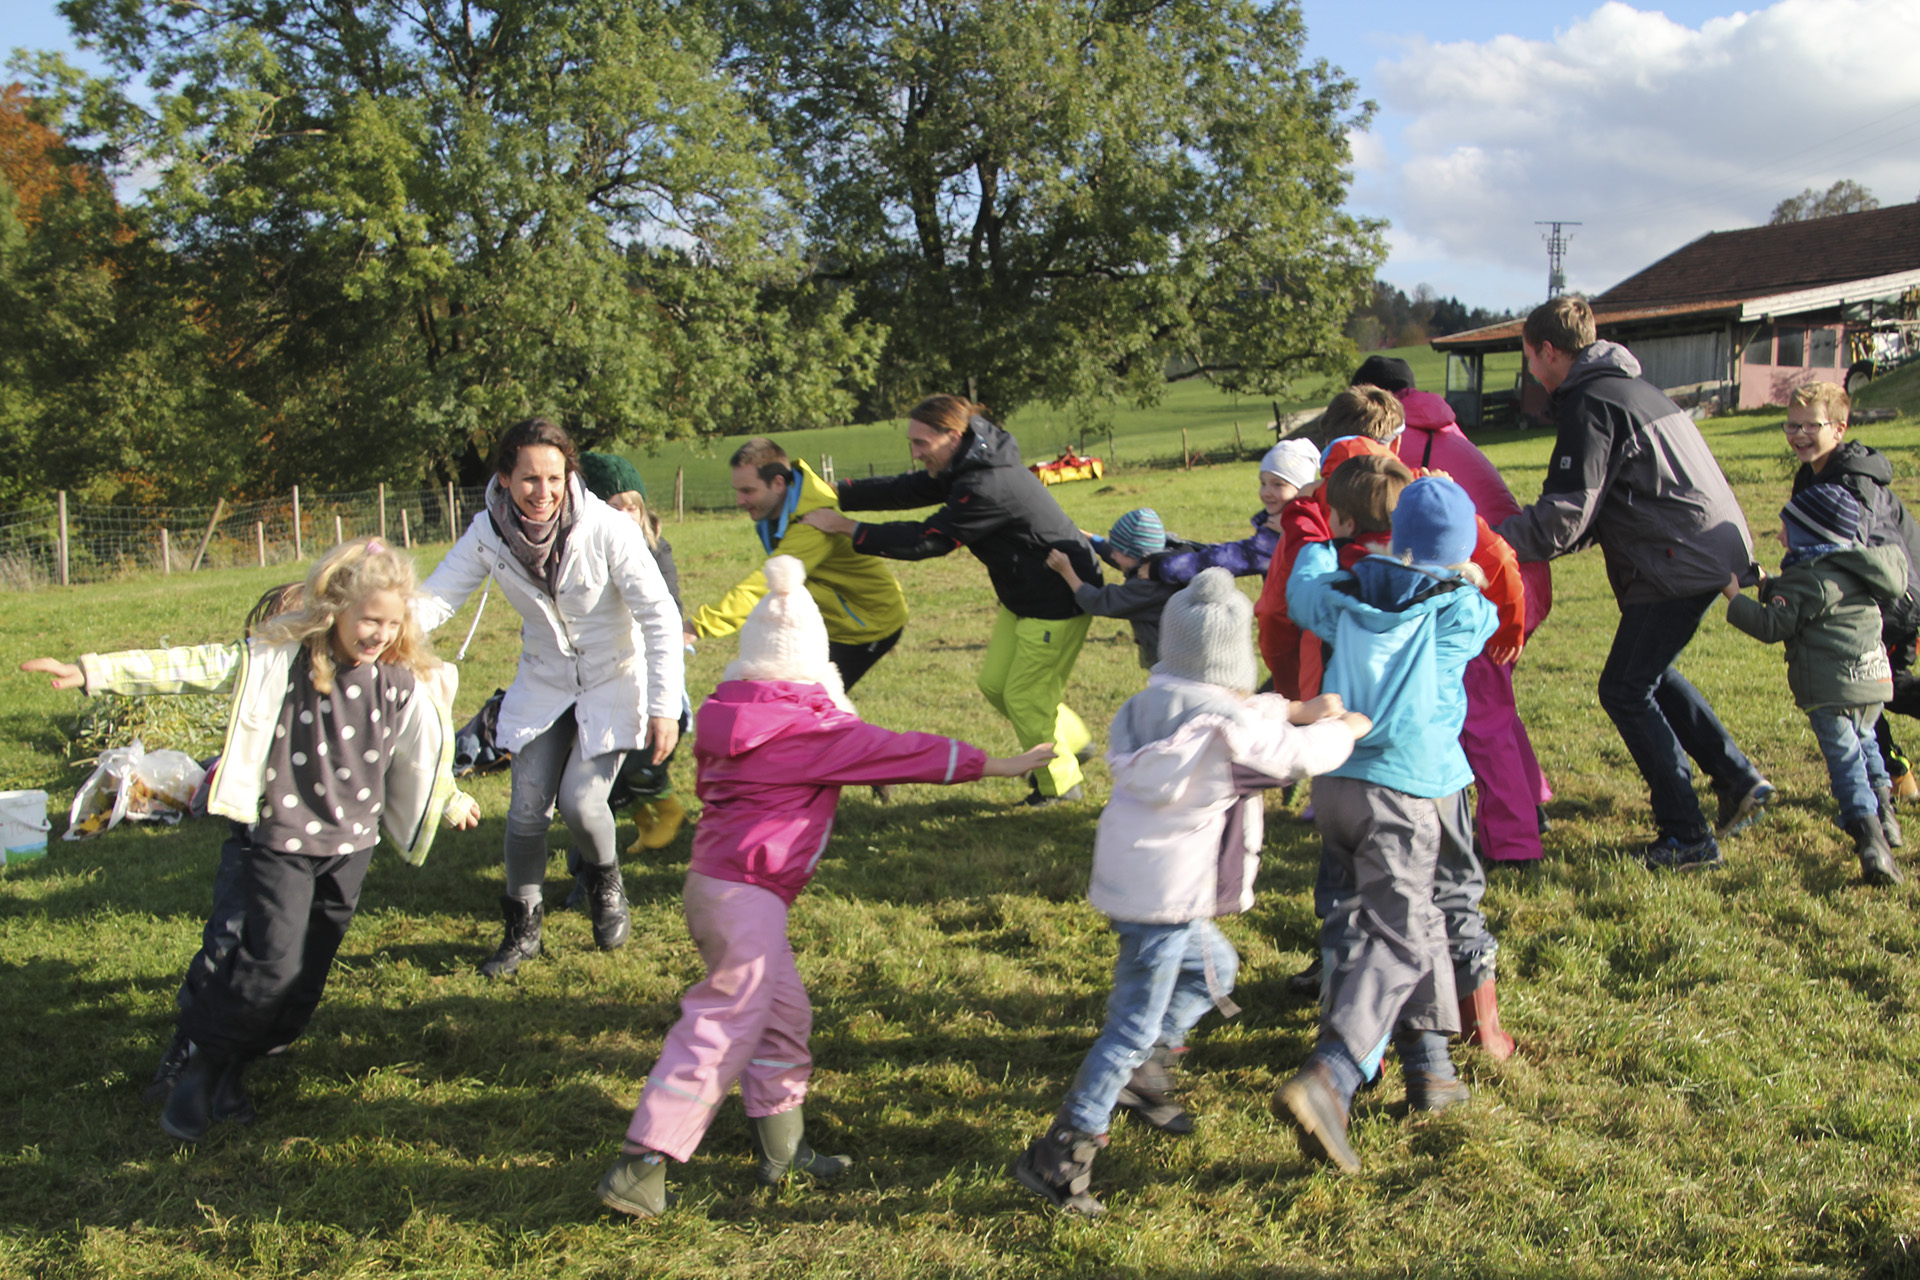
<point>1803,428</point>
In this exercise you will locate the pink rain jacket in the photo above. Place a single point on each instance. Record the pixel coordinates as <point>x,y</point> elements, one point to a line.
<point>1433,439</point>
<point>770,757</point>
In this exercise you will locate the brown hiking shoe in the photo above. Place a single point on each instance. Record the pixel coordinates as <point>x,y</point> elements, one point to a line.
<point>1309,1102</point>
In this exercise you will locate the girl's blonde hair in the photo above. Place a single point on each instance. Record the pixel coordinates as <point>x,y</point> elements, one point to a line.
<point>631,503</point>
<point>348,573</point>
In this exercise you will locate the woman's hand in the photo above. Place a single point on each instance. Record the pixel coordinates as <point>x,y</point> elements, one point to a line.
<point>827,520</point>
<point>65,674</point>
<point>662,733</point>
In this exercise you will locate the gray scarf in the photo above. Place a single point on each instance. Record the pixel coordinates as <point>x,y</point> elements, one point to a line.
<point>537,544</point>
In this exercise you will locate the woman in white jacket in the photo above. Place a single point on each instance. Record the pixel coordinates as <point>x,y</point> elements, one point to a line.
<point>601,667</point>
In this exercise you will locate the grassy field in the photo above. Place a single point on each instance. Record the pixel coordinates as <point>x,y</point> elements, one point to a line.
<point>1717,1074</point>
<point>1127,435</point>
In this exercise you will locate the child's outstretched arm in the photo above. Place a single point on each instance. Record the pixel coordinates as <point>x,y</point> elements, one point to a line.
<point>65,674</point>
<point>199,668</point>
<point>1017,766</point>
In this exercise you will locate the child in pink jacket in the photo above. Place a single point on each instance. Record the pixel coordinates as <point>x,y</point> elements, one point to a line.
<point>1509,785</point>
<point>773,746</point>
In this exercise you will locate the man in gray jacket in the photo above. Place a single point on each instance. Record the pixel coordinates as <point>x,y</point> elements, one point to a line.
<point>1631,472</point>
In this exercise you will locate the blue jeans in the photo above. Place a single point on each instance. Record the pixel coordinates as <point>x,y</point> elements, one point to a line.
<point>1854,766</point>
<point>1662,719</point>
<point>1161,988</point>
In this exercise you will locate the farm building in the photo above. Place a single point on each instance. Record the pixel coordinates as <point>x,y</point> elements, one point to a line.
<point>1741,317</point>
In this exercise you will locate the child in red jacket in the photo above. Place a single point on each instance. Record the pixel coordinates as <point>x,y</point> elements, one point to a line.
<point>772,748</point>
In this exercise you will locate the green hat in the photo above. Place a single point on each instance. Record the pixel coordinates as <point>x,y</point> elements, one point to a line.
<point>606,474</point>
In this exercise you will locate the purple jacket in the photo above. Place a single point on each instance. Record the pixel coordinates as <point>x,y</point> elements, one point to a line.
<point>770,757</point>
<point>1247,556</point>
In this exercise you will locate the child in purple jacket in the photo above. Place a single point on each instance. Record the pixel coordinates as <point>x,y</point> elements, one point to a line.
<point>772,748</point>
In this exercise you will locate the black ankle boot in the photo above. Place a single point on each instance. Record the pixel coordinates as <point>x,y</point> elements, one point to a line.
<point>231,1101</point>
<point>1877,866</point>
<point>1889,824</point>
<point>172,1063</point>
<point>189,1109</point>
<point>607,900</point>
<point>521,941</point>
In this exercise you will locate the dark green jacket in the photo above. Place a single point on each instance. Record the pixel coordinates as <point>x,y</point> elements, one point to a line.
<point>1826,611</point>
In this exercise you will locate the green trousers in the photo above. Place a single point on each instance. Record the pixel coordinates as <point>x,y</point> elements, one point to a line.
<point>1025,678</point>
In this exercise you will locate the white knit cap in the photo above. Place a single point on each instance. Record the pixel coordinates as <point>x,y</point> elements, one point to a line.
<point>1206,633</point>
<point>1295,461</point>
<point>784,637</point>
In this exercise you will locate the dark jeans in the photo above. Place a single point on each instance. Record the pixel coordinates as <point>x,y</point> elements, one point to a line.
<point>264,991</point>
<point>1662,719</point>
<point>221,934</point>
<point>855,660</point>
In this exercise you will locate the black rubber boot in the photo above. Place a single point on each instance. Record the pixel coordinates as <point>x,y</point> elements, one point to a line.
<point>1889,825</point>
<point>780,1142</point>
<point>522,939</point>
<point>231,1101</point>
<point>189,1110</point>
<point>1059,1166</point>
<point>172,1063</point>
<point>607,901</point>
<point>1149,1093</point>
<point>1870,845</point>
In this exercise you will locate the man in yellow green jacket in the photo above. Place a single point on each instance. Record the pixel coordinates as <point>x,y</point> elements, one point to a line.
<point>859,598</point>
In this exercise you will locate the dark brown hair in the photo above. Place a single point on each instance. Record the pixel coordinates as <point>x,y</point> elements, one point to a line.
<point>765,457</point>
<point>528,432</point>
<point>946,413</point>
<point>1366,488</point>
<point>1566,322</point>
<point>1363,411</point>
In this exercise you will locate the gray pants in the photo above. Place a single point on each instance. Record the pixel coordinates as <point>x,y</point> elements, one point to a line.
<point>1384,939</point>
<point>550,769</point>
<point>1459,882</point>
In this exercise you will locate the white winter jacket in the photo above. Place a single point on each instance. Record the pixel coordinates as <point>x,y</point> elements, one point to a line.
<point>1180,839</point>
<point>607,643</point>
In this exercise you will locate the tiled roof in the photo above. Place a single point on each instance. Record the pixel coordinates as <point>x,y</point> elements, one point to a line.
<point>1731,265</point>
<point>1507,333</point>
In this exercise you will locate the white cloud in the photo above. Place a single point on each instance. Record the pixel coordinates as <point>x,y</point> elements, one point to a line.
<point>1647,131</point>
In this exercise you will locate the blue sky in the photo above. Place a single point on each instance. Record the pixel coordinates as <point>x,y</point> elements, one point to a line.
<point>1650,124</point>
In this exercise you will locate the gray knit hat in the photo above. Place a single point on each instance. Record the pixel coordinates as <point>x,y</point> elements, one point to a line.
<point>1206,633</point>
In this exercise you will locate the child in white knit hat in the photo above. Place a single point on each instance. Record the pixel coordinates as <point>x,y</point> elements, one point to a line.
<point>772,747</point>
<point>1178,844</point>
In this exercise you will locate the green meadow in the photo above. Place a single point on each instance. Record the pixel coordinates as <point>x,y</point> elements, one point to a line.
<point>1717,1073</point>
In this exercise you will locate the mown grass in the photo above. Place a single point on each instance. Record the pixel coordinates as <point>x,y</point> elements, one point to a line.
<point>1717,1073</point>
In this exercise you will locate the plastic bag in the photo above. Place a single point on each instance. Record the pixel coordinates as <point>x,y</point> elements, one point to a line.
<point>133,783</point>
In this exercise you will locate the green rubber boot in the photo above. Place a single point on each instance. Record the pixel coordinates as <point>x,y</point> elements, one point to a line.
<point>780,1142</point>
<point>636,1186</point>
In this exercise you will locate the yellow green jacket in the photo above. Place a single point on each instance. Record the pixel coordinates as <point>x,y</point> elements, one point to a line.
<point>858,595</point>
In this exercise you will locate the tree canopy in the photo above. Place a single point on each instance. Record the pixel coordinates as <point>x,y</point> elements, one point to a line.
<point>1844,196</point>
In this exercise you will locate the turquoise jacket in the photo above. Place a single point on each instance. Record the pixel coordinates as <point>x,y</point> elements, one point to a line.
<point>1401,636</point>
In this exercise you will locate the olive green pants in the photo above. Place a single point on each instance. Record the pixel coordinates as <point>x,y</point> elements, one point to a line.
<point>1025,678</point>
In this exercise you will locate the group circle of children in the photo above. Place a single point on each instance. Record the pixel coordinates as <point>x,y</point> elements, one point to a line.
<point>1401,581</point>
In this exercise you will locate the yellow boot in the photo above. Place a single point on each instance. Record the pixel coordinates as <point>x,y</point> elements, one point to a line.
<point>644,820</point>
<point>668,813</point>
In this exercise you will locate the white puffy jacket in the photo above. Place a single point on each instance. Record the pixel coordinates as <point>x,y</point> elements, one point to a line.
<point>607,643</point>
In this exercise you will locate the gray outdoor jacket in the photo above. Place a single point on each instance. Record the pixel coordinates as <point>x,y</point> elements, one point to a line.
<point>1631,471</point>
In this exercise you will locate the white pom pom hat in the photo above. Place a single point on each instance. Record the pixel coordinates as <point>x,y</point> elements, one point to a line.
<point>784,637</point>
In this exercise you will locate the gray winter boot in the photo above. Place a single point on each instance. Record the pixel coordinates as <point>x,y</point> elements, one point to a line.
<point>1870,845</point>
<point>1149,1093</point>
<point>521,942</point>
<point>637,1186</point>
<point>1059,1166</point>
<point>1889,825</point>
<point>780,1142</point>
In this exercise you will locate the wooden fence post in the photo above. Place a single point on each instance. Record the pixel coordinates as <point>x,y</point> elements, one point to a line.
<point>338,536</point>
<point>1238,447</point>
<point>453,518</point>
<point>297,551</point>
<point>406,531</point>
<point>383,511</point>
<point>166,552</point>
<point>63,537</point>
<point>260,540</point>
<point>679,493</point>
<point>206,539</point>
<point>1186,456</point>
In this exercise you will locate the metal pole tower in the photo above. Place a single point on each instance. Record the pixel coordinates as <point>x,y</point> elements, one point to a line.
<point>1556,255</point>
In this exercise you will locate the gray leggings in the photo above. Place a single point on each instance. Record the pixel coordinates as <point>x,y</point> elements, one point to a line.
<point>550,769</point>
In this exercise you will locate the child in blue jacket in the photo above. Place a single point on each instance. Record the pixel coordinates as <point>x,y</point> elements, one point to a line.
<point>1402,627</point>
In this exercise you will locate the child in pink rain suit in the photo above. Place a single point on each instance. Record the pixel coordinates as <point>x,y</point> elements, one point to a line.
<point>773,746</point>
<point>1508,782</point>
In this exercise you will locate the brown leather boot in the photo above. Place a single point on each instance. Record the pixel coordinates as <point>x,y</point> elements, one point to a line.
<point>1480,1023</point>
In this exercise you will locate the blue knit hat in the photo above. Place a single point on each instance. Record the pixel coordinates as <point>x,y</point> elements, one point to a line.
<point>1433,522</point>
<point>1138,533</point>
<point>1824,513</point>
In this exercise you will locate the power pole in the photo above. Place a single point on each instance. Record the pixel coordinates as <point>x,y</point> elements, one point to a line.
<point>1556,255</point>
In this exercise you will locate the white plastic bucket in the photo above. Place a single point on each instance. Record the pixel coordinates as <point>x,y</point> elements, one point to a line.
<point>23,825</point>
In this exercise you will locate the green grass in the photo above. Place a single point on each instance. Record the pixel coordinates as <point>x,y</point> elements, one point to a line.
<point>1717,1073</point>
<point>1208,416</point>
<point>1897,390</point>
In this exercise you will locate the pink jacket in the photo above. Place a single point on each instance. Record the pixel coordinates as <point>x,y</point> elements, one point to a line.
<point>1433,439</point>
<point>770,757</point>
